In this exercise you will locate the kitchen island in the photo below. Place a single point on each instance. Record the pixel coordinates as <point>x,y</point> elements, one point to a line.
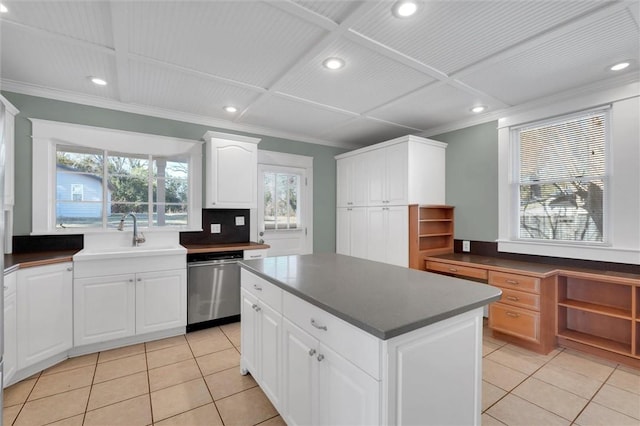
<point>338,340</point>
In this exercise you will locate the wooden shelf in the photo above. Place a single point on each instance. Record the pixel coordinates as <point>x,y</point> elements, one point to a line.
<point>430,232</point>
<point>598,342</point>
<point>596,308</point>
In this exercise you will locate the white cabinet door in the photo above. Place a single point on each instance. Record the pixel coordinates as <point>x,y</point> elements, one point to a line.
<point>104,308</point>
<point>249,332</point>
<point>359,239</point>
<point>377,233</point>
<point>161,300</point>
<point>44,305</point>
<point>376,175</point>
<point>270,329</point>
<point>348,395</point>
<point>300,376</point>
<point>10,356</point>
<point>343,231</point>
<point>396,174</point>
<point>344,175</point>
<point>396,240</point>
<point>232,170</point>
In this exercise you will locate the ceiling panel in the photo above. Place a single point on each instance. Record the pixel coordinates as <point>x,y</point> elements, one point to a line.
<point>451,35</point>
<point>337,11</point>
<point>250,42</point>
<point>170,89</point>
<point>572,60</point>
<point>49,63</point>
<point>362,131</point>
<point>367,80</point>
<point>430,107</point>
<point>292,116</point>
<point>89,21</point>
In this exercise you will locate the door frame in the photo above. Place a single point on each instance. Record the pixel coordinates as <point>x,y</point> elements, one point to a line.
<point>280,159</point>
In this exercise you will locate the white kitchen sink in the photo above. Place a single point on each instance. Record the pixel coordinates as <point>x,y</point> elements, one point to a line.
<point>97,253</point>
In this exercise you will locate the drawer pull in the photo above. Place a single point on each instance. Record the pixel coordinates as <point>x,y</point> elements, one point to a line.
<point>255,256</point>
<point>6,287</point>
<point>69,269</point>
<point>320,357</point>
<point>257,287</point>
<point>512,298</point>
<point>512,314</point>
<point>312,352</point>
<point>318,326</point>
<point>256,308</point>
<point>512,282</point>
<point>453,270</point>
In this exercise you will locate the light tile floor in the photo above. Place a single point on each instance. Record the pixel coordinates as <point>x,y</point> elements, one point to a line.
<point>194,380</point>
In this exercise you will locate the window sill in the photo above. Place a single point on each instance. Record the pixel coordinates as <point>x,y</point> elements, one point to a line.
<point>584,252</point>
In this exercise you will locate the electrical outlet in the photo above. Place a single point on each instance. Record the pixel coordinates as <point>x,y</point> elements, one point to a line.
<point>239,220</point>
<point>215,228</point>
<point>466,245</point>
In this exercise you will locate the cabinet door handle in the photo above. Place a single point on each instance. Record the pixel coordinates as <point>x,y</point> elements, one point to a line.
<point>254,306</point>
<point>512,314</point>
<point>257,287</point>
<point>512,298</point>
<point>453,270</point>
<point>130,280</point>
<point>318,326</point>
<point>513,282</point>
<point>6,287</point>
<point>320,357</point>
<point>139,279</point>
<point>255,256</point>
<point>312,352</point>
<point>69,269</point>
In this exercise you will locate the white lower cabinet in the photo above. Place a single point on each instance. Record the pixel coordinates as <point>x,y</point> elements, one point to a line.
<point>44,312</point>
<point>109,305</point>
<point>261,334</point>
<point>10,356</point>
<point>322,387</point>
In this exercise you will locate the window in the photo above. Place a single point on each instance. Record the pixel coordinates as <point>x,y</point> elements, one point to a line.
<point>127,183</point>
<point>561,178</point>
<point>85,178</point>
<point>281,195</point>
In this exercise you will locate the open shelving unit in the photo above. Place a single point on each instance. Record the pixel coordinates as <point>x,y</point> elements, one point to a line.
<point>430,232</point>
<point>599,311</point>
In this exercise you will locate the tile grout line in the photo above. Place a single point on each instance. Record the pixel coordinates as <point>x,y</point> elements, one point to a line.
<point>86,407</point>
<point>146,361</point>
<point>594,395</point>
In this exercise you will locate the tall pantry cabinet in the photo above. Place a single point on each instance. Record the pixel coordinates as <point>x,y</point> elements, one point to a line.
<point>375,186</point>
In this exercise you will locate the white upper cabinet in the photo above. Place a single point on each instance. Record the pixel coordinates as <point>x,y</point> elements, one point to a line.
<point>10,113</point>
<point>231,171</point>
<point>406,170</point>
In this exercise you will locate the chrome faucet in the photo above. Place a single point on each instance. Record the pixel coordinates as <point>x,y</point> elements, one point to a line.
<point>137,239</point>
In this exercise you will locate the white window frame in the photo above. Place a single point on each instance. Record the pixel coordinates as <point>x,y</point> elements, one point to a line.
<point>48,134</point>
<point>622,228</point>
<point>514,147</point>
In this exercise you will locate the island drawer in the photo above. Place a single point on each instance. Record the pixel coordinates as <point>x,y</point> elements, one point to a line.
<point>515,321</point>
<point>515,281</point>
<point>356,345</point>
<point>262,289</point>
<point>520,298</point>
<point>462,271</point>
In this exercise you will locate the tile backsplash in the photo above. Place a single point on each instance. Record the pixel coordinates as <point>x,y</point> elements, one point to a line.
<point>232,224</point>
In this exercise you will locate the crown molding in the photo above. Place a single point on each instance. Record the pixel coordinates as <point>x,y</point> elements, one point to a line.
<point>94,101</point>
<point>548,101</point>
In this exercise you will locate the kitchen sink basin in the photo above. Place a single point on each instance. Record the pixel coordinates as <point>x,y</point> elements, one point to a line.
<point>127,252</point>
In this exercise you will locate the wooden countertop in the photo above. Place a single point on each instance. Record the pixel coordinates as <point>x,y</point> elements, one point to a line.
<point>540,270</point>
<point>27,260</point>
<point>16,261</point>
<point>213,248</point>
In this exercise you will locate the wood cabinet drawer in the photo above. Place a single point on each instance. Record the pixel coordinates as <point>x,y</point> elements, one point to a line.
<point>463,271</point>
<point>515,281</point>
<point>262,289</point>
<point>515,321</point>
<point>521,299</point>
<point>356,345</point>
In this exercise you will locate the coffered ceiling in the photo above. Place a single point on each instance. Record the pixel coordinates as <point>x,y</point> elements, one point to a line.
<point>417,75</point>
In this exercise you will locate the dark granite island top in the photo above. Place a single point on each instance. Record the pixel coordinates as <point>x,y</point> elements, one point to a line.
<point>381,299</point>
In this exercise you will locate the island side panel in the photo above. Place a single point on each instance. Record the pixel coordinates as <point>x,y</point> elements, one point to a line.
<point>434,374</point>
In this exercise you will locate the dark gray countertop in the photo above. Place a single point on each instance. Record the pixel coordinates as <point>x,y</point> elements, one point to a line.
<point>383,300</point>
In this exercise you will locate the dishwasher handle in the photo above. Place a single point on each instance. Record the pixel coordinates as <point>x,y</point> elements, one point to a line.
<point>213,262</point>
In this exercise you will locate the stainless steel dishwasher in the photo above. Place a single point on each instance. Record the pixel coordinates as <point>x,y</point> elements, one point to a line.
<point>213,289</point>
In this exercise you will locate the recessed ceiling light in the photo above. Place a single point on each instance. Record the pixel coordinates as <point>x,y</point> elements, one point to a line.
<point>3,8</point>
<point>404,8</point>
<point>619,66</point>
<point>230,108</point>
<point>478,109</point>
<point>98,81</point>
<point>333,63</point>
